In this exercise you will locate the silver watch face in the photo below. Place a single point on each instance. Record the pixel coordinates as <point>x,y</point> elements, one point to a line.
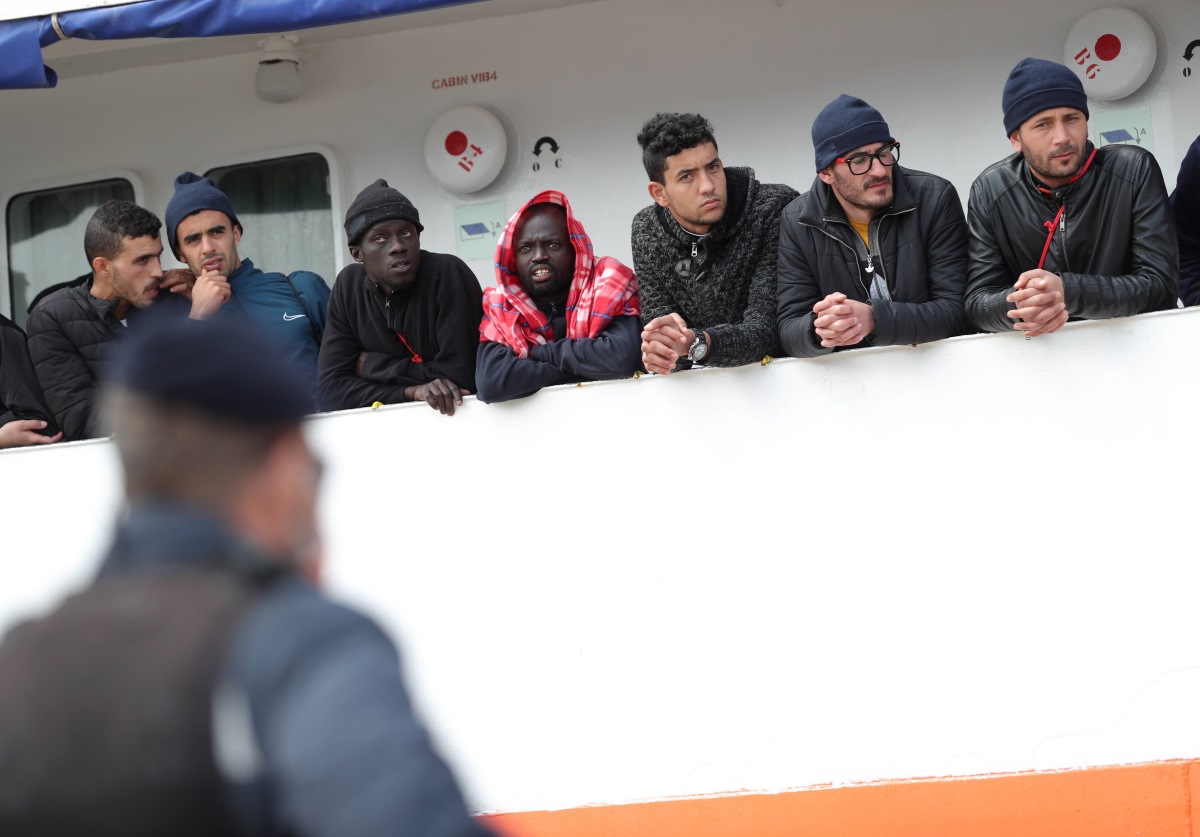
<point>698,351</point>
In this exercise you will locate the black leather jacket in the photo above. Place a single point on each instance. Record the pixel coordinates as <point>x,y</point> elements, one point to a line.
<point>1115,246</point>
<point>919,243</point>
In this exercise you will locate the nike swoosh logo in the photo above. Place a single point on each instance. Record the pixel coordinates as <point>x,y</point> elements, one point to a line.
<point>287,318</point>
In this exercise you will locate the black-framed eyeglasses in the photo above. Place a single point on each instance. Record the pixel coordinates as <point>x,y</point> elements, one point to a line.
<point>889,155</point>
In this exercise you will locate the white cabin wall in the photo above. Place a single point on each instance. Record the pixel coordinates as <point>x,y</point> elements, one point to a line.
<point>587,75</point>
<point>971,557</point>
<point>575,671</point>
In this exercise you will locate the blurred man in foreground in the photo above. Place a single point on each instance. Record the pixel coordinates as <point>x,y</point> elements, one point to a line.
<point>202,684</point>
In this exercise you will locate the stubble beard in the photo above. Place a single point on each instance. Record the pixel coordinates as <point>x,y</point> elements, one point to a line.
<point>696,219</point>
<point>1041,165</point>
<point>859,196</point>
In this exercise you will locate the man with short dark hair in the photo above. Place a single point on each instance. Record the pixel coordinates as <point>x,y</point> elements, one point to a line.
<point>557,315</point>
<point>71,330</point>
<point>403,322</point>
<point>202,684</point>
<point>874,254</point>
<point>704,252</point>
<point>1061,229</point>
<point>204,231</point>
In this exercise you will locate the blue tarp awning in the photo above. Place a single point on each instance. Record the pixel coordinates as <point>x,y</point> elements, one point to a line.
<point>21,41</point>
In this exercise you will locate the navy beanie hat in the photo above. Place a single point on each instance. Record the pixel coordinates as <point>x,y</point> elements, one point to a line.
<point>1036,85</point>
<point>220,367</point>
<point>378,202</point>
<point>845,124</point>
<point>194,193</point>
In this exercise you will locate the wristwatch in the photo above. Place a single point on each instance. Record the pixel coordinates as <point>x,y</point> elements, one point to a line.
<point>698,351</point>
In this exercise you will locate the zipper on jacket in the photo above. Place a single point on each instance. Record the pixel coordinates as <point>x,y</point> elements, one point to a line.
<point>1062,236</point>
<point>389,315</point>
<point>387,309</point>
<point>878,237</point>
<point>853,251</point>
<point>870,268</point>
<point>241,308</point>
<point>875,250</point>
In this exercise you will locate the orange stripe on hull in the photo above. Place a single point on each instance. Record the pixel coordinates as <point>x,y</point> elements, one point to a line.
<point>1146,799</point>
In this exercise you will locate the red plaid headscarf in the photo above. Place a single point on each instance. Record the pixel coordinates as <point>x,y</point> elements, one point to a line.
<point>601,289</point>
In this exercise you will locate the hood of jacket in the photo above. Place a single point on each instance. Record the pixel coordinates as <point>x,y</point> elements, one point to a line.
<point>506,254</point>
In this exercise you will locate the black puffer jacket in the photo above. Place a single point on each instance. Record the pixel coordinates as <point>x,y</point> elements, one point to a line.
<point>919,244</point>
<point>71,335</point>
<point>1115,247</point>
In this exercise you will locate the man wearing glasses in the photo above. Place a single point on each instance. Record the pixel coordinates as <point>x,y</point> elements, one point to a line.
<point>873,254</point>
<point>1061,229</point>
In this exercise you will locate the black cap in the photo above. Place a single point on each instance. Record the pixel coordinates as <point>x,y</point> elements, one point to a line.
<point>218,367</point>
<point>378,202</point>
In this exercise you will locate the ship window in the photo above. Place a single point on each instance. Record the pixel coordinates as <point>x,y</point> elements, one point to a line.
<point>286,213</point>
<point>45,237</point>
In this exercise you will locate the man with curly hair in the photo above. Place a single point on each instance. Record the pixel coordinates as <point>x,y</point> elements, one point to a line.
<point>704,251</point>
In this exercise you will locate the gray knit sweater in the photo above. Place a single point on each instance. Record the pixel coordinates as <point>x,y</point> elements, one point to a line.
<point>728,289</point>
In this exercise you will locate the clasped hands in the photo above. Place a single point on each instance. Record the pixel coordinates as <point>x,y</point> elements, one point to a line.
<point>1040,300</point>
<point>664,341</point>
<point>840,321</point>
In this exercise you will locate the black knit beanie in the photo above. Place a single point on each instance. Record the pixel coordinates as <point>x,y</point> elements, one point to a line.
<point>194,193</point>
<point>843,125</point>
<point>378,202</point>
<point>1036,85</point>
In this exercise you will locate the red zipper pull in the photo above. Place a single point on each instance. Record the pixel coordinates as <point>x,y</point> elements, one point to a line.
<point>416,357</point>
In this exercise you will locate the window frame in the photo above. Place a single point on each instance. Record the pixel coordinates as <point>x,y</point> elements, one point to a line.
<point>7,196</point>
<point>337,203</point>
